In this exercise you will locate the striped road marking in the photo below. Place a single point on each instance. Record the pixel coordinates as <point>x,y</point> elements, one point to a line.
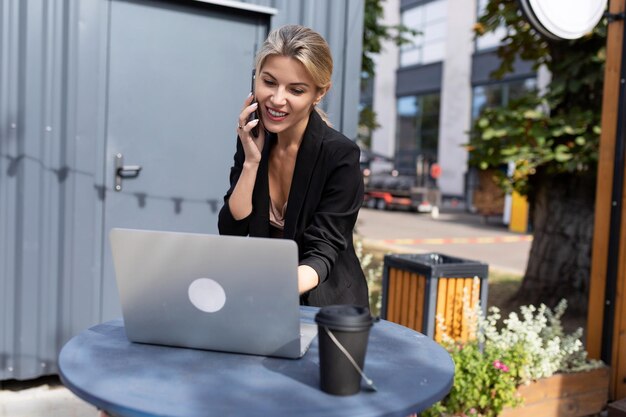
<point>461,240</point>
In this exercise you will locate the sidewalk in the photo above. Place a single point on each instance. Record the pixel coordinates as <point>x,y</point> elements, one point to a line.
<point>455,233</point>
<point>44,397</point>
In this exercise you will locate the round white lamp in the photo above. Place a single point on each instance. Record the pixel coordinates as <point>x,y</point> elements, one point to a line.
<point>563,19</point>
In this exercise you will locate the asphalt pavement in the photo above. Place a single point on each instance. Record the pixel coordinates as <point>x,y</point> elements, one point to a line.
<point>455,232</point>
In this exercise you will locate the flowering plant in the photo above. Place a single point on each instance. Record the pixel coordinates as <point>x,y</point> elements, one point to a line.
<point>500,356</point>
<point>373,271</point>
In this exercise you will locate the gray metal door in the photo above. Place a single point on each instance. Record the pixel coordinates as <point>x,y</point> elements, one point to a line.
<point>177,75</point>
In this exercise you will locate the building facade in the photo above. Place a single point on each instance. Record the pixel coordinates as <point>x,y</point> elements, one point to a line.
<point>427,93</point>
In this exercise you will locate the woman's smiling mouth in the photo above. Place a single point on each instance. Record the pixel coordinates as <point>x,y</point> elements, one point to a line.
<point>275,114</point>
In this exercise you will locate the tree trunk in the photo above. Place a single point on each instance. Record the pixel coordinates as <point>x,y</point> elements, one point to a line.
<point>559,264</point>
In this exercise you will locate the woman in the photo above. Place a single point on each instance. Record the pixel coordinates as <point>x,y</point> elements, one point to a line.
<point>299,179</point>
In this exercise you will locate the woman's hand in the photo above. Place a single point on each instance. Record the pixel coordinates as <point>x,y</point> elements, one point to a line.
<point>307,278</point>
<point>252,146</point>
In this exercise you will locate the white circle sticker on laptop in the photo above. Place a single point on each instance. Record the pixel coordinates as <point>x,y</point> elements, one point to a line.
<point>207,295</point>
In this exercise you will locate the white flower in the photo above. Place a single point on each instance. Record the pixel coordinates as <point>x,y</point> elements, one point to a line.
<point>538,332</point>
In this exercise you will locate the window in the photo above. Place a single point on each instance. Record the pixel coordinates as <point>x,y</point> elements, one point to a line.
<point>429,45</point>
<point>492,39</point>
<point>417,130</point>
<point>493,95</point>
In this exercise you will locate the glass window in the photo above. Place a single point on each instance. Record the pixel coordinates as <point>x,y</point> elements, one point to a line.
<point>492,39</point>
<point>430,44</point>
<point>417,130</point>
<point>499,94</point>
<point>435,11</point>
<point>413,17</point>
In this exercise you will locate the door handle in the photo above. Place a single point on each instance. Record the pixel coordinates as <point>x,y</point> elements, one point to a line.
<point>124,171</point>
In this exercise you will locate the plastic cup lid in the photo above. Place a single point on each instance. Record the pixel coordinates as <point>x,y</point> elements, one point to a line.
<point>345,317</point>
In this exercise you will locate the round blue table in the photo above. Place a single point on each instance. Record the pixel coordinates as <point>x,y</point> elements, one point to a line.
<point>102,367</point>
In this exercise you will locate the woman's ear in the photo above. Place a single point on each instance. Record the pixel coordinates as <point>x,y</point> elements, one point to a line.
<point>320,94</point>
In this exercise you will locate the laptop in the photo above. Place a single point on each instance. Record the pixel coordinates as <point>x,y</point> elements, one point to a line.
<point>226,293</point>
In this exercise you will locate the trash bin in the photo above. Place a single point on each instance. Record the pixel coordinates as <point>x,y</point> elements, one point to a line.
<point>419,287</point>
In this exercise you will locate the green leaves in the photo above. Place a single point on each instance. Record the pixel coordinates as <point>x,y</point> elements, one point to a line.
<point>480,388</point>
<point>561,153</point>
<point>527,136</point>
<point>532,114</point>
<point>374,33</point>
<point>557,132</point>
<point>504,354</point>
<point>490,133</point>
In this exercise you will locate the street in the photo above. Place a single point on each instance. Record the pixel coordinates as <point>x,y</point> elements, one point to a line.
<point>454,233</point>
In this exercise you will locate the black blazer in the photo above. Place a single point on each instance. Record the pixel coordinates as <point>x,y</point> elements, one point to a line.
<point>322,208</point>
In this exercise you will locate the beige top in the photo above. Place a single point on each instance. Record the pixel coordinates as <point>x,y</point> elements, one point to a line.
<point>277,216</point>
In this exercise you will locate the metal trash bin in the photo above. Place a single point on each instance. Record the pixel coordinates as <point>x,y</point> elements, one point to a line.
<point>419,287</point>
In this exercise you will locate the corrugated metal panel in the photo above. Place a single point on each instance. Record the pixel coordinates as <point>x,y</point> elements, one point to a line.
<point>52,161</point>
<point>31,180</point>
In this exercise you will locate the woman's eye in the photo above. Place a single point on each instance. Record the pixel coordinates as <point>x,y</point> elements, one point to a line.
<point>268,82</point>
<point>297,92</point>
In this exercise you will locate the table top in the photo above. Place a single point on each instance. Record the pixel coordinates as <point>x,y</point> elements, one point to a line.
<point>104,368</point>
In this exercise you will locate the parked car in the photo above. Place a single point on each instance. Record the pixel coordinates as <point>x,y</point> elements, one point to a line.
<point>391,190</point>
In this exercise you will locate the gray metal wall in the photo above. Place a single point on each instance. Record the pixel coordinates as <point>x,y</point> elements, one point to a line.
<point>52,164</point>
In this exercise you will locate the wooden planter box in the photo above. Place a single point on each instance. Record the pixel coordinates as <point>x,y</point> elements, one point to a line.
<point>564,395</point>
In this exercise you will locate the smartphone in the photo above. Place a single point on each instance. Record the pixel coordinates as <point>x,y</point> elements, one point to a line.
<point>253,115</point>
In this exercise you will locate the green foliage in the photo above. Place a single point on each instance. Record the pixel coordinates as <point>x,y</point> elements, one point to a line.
<point>558,132</point>
<point>373,270</point>
<point>526,135</point>
<point>367,118</point>
<point>484,383</point>
<point>500,356</point>
<point>374,33</point>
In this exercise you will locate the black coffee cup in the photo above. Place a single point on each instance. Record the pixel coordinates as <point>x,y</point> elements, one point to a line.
<point>343,333</point>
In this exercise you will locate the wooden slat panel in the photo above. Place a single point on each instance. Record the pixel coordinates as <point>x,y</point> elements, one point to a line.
<point>441,308</point>
<point>475,292</point>
<point>467,286</point>
<point>565,385</point>
<point>398,295</point>
<point>450,305</point>
<point>564,395</point>
<point>604,185</point>
<point>412,301</point>
<point>394,295</point>
<point>421,303</point>
<point>579,405</point>
<point>458,308</point>
<point>406,284</point>
<point>406,299</point>
<point>476,286</point>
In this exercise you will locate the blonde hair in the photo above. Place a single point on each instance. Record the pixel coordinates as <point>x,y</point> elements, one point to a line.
<point>304,45</point>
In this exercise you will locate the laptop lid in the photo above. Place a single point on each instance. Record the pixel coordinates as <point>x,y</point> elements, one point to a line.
<point>228,293</point>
